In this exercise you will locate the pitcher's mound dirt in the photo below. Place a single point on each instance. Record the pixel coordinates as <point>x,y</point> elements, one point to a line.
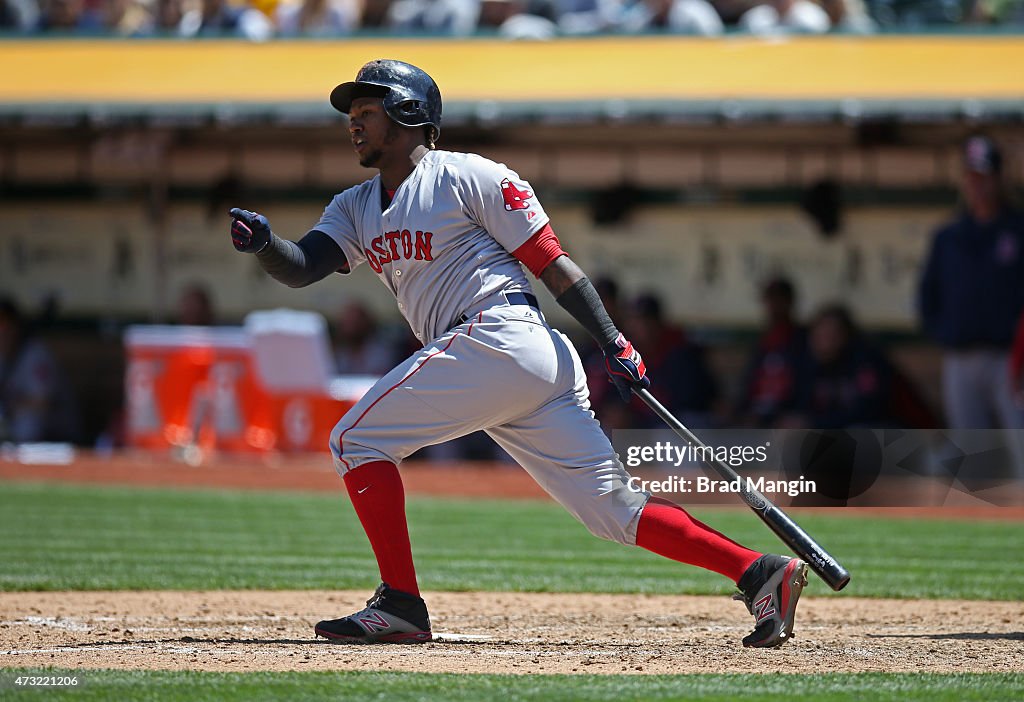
<point>503,633</point>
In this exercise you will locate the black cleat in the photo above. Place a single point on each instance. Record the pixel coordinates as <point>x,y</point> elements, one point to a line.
<point>770,589</point>
<point>391,616</point>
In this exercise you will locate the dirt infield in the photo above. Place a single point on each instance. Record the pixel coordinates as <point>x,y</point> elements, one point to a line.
<point>503,633</point>
<point>478,632</point>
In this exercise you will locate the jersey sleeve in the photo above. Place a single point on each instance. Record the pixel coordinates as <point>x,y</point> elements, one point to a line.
<point>501,202</point>
<point>338,223</point>
<point>540,250</point>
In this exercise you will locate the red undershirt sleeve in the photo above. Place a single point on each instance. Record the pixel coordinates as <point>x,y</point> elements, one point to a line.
<point>539,250</point>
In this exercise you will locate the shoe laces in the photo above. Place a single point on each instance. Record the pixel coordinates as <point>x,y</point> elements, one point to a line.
<point>748,602</point>
<point>377,596</point>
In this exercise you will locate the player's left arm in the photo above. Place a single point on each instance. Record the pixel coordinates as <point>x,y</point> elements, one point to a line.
<point>577,295</point>
<point>296,264</point>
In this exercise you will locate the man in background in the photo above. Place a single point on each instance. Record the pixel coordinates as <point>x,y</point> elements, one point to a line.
<point>768,390</point>
<point>195,306</point>
<point>971,297</point>
<point>360,348</point>
<point>972,293</point>
<point>36,402</point>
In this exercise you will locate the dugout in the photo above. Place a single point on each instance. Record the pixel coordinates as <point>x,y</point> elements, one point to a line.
<point>687,166</point>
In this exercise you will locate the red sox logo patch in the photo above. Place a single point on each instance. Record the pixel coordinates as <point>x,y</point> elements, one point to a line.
<point>515,197</point>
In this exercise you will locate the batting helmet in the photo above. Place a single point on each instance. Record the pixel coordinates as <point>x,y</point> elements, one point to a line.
<point>411,97</point>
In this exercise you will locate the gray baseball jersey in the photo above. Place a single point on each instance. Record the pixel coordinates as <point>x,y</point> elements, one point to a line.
<point>444,243</point>
<point>443,247</point>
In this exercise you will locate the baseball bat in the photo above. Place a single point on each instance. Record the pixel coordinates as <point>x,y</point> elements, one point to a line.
<point>819,560</point>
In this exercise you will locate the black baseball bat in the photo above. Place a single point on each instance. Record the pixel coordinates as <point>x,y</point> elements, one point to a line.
<point>827,567</point>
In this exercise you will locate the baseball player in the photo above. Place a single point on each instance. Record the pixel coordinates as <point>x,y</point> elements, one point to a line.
<point>452,235</point>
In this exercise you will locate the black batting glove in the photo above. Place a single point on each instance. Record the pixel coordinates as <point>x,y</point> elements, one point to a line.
<point>625,367</point>
<point>250,231</point>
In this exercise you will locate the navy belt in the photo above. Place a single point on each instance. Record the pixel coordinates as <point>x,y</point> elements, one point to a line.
<point>513,298</point>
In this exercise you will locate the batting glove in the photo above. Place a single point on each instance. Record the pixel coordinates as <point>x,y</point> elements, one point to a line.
<point>250,231</point>
<point>625,367</point>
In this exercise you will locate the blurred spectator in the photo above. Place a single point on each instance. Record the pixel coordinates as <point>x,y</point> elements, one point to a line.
<point>679,373</point>
<point>533,19</point>
<point>768,389</point>
<point>678,368</point>
<point>769,17</point>
<point>258,20</point>
<point>375,13</point>
<point>682,16</point>
<point>195,306</point>
<point>167,16</point>
<point>222,18</point>
<point>587,16</point>
<point>972,293</point>
<point>317,17</point>
<point>266,7</point>
<point>918,14</point>
<point>775,16</point>
<point>995,12</point>
<point>513,20</point>
<point>360,348</point>
<point>36,403</point>
<point>170,16</point>
<point>212,17</point>
<point>457,17</point>
<point>19,15</point>
<point>844,380</point>
<point>850,16</point>
<point>128,18</point>
<point>62,15</point>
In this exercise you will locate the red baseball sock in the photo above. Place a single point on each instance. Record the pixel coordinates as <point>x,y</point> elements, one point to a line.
<point>379,498</point>
<point>668,530</point>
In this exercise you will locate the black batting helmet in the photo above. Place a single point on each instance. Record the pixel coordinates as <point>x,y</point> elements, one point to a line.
<point>411,97</point>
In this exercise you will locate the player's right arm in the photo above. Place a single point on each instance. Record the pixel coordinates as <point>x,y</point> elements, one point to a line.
<point>296,264</point>
<point>577,295</point>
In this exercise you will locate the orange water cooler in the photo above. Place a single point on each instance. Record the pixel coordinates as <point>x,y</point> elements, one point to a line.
<point>261,387</point>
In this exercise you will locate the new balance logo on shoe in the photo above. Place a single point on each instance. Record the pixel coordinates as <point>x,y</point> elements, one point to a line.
<point>391,616</point>
<point>372,621</point>
<point>770,588</point>
<point>764,608</point>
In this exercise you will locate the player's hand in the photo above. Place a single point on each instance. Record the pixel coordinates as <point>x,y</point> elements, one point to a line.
<point>250,231</point>
<point>625,367</point>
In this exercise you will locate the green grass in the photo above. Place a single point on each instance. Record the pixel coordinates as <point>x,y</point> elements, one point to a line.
<point>58,536</point>
<point>397,687</point>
